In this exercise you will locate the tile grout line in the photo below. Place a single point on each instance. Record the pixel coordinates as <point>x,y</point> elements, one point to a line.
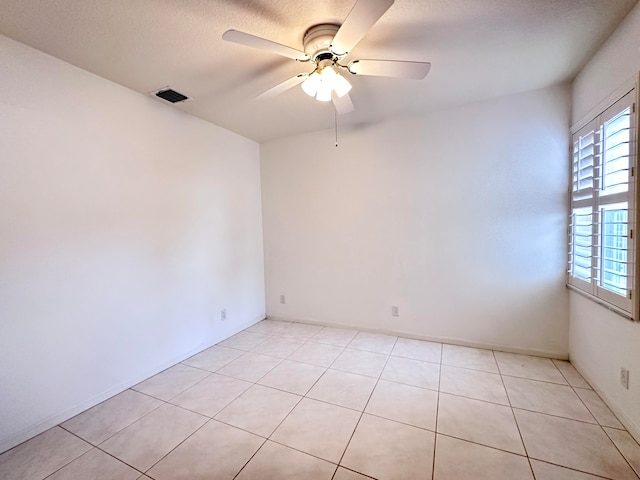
<point>637,472</point>
<point>250,458</point>
<point>459,395</point>
<point>274,388</point>
<point>230,402</point>
<point>474,442</point>
<point>352,471</point>
<point>244,352</point>
<point>206,369</point>
<point>304,342</point>
<point>304,394</point>
<point>556,416</point>
<point>191,386</point>
<point>164,402</point>
<point>573,389</point>
<point>209,419</point>
<point>571,469</point>
<point>513,409</point>
<point>127,426</point>
<point>599,424</point>
<point>302,397</point>
<point>256,383</point>
<point>244,379</point>
<point>219,346</point>
<point>177,394</point>
<point>554,360</point>
<point>301,451</point>
<point>97,447</point>
<point>537,380</point>
<point>435,437</point>
<point>75,458</point>
<point>366,404</point>
<point>513,414</point>
<point>180,443</point>
<point>342,349</point>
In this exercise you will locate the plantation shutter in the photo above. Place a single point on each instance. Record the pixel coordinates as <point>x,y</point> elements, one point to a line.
<point>581,223</point>
<point>601,253</point>
<point>614,266</point>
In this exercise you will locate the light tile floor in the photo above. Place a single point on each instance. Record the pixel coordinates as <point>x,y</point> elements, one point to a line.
<point>295,401</point>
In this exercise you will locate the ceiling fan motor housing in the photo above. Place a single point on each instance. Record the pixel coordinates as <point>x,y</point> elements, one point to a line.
<point>317,41</point>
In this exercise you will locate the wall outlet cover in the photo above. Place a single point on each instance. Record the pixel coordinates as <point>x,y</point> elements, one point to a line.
<point>624,377</point>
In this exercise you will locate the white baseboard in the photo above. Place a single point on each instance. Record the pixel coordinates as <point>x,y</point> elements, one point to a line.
<point>632,427</point>
<point>53,420</point>
<point>447,340</point>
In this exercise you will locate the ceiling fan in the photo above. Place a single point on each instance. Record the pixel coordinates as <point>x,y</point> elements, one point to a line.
<point>324,47</point>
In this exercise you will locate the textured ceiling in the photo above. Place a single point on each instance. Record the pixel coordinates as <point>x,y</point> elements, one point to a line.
<point>478,49</point>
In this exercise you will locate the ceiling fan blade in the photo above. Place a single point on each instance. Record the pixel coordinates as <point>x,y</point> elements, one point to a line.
<point>361,18</point>
<point>282,87</point>
<point>249,40</point>
<point>390,68</point>
<point>342,104</point>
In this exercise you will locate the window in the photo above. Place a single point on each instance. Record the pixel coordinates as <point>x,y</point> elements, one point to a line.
<point>601,226</point>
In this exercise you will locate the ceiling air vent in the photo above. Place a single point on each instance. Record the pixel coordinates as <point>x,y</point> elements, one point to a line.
<point>170,95</point>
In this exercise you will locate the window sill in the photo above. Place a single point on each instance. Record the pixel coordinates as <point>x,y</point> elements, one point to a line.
<point>601,302</point>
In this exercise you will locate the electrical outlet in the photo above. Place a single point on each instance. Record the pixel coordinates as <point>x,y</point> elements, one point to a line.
<point>282,299</point>
<point>223,314</point>
<point>624,377</point>
<point>394,311</point>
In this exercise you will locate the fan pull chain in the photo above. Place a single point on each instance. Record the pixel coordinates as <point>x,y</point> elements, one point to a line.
<point>335,118</point>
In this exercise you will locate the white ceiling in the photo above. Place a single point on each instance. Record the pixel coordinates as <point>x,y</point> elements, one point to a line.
<point>478,49</point>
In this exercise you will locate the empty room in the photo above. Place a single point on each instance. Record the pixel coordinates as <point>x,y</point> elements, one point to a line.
<point>370,239</point>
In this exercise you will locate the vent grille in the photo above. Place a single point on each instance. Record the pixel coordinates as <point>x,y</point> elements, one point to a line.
<point>171,95</point>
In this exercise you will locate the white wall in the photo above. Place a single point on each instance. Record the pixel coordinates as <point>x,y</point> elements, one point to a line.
<point>125,226</point>
<point>617,61</point>
<point>457,217</point>
<point>601,342</point>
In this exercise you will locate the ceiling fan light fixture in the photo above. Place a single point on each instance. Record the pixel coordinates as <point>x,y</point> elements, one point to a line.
<point>323,81</point>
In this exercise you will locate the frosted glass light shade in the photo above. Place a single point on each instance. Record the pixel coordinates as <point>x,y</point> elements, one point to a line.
<point>341,85</point>
<point>310,85</point>
<point>324,94</point>
<point>328,75</point>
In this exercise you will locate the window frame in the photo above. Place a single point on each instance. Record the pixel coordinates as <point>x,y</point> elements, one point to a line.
<point>591,197</point>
